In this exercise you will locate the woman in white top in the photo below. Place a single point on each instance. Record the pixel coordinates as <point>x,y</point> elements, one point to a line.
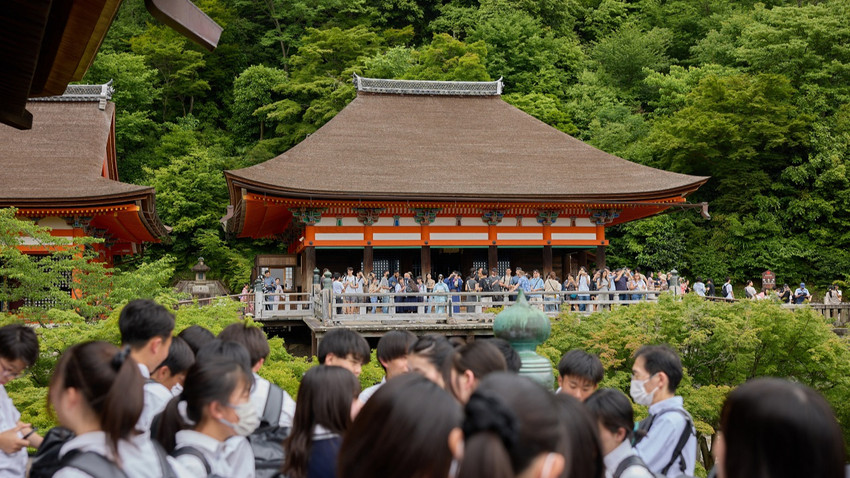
<point>96,391</point>
<point>613,413</point>
<point>205,426</point>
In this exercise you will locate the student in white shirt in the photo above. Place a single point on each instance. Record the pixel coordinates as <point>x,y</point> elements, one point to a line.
<point>18,350</point>
<point>205,427</point>
<point>392,355</point>
<point>146,327</point>
<point>612,411</point>
<point>257,344</point>
<point>96,391</point>
<point>470,363</point>
<point>170,374</point>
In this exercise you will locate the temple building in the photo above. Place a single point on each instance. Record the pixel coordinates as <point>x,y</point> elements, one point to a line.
<point>428,176</point>
<point>63,174</point>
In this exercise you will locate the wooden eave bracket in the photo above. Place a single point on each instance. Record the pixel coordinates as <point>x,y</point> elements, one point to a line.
<point>188,20</point>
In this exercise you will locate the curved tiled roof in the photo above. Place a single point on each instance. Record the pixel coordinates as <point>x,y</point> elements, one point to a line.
<point>403,145</point>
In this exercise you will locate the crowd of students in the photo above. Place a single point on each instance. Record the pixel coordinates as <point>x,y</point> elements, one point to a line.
<point>195,405</point>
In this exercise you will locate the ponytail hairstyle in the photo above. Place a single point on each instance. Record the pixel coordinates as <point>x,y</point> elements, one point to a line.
<point>403,430</point>
<point>479,357</point>
<point>212,379</point>
<point>582,438</point>
<point>324,398</point>
<point>509,422</point>
<point>109,381</point>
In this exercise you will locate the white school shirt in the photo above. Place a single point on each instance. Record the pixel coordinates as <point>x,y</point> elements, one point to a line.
<point>656,448</point>
<point>259,395</point>
<point>11,465</point>
<point>239,457</point>
<point>214,451</point>
<point>369,391</point>
<point>617,455</point>
<point>138,456</point>
<point>156,398</point>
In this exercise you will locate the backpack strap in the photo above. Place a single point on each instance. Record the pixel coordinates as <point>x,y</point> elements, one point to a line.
<point>683,440</point>
<point>93,464</point>
<point>274,403</point>
<point>162,457</point>
<point>627,462</point>
<point>190,450</point>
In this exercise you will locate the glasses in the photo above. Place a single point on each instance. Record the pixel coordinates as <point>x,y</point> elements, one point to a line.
<point>8,371</point>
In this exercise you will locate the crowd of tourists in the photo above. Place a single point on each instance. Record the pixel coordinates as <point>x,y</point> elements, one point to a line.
<point>194,405</point>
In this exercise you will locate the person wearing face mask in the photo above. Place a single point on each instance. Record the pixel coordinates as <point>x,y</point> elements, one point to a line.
<point>205,427</point>
<point>170,374</point>
<point>666,439</point>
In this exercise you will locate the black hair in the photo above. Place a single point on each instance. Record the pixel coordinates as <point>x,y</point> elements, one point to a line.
<point>251,337</point>
<point>213,379</point>
<point>612,409</point>
<point>402,430</point>
<point>699,278</point>
<point>579,363</point>
<point>18,342</point>
<point>196,337</point>
<point>342,342</point>
<point>508,423</point>
<point>110,382</point>
<point>662,358</point>
<point>394,344</point>
<point>481,357</point>
<point>776,428</point>
<point>225,350</point>
<point>324,398</point>
<point>143,319</point>
<point>582,438</point>
<point>512,358</point>
<point>180,357</point>
<point>438,351</point>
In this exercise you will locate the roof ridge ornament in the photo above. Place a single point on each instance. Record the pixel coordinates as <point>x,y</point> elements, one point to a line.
<point>428,87</point>
<point>81,93</point>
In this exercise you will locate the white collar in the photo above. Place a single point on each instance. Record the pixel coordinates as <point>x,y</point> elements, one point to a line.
<point>144,369</point>
<point>200,441</point>
<point>617,455</point>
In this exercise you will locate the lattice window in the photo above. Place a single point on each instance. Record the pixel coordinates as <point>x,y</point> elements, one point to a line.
<point>63,284</point>
<point>480,264</point>
<point>379,266</point>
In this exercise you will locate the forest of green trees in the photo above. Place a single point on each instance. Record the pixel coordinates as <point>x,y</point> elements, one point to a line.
<point>756,95</point>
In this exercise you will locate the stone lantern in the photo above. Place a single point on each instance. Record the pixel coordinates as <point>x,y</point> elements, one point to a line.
<point>526,327</point>
<point>200,269</point>
<point>674,283</point>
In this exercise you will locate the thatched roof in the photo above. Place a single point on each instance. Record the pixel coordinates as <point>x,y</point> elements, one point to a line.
<point>417,141</point>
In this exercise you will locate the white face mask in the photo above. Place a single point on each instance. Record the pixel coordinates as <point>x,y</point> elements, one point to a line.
<point>639,393</point>
<point>248,419</point>
<point>177,389</point>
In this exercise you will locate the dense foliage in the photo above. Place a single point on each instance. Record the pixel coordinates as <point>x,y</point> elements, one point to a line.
<point>756,95</point>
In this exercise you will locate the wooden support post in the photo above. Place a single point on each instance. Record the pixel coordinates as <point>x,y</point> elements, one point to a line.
<point>425,261</point>
<point>565,265</point>
<point>547,260</point>
<point>492,258</point>
<point>308,263</point>
<point>368,260</point>
<point>582,259</point>
<point>600,257</point>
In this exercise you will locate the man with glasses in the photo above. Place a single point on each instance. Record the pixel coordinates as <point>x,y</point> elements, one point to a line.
<point>18,351</point>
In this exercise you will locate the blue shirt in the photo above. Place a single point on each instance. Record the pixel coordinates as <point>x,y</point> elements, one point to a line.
<point>524,284</point>
<point>536,283</point>
<point>656,449</point>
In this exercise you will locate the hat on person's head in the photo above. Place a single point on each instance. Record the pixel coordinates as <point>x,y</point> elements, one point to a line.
<point>802,284</point>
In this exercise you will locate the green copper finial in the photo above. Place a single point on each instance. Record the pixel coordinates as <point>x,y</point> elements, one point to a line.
<point>526,327</point>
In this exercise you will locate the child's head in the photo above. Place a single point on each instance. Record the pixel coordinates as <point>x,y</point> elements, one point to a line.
<point>252,338</point>
<point>344,348</point>
<point>146,327</point>
<point>196,337</point>
<point>614,417</point>
<point>472,362</point>
<point>512,358</point>
<point>172,371</point>
<point>216,398</point>
<point>225,350</point>
<point>431,357</point>
<point>392,352</point>
<point>18,351</point>
<point>579,373</point>
<point>511,429</point>
<point>94,385</point>
<point>403,430</point>
<point>582,438</point>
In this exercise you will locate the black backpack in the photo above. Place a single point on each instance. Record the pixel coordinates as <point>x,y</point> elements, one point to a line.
<point>630,461</point>
<point>267,439</point>
<point>645,424</point>
<point>189,450</point>
<point>46,461</point>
